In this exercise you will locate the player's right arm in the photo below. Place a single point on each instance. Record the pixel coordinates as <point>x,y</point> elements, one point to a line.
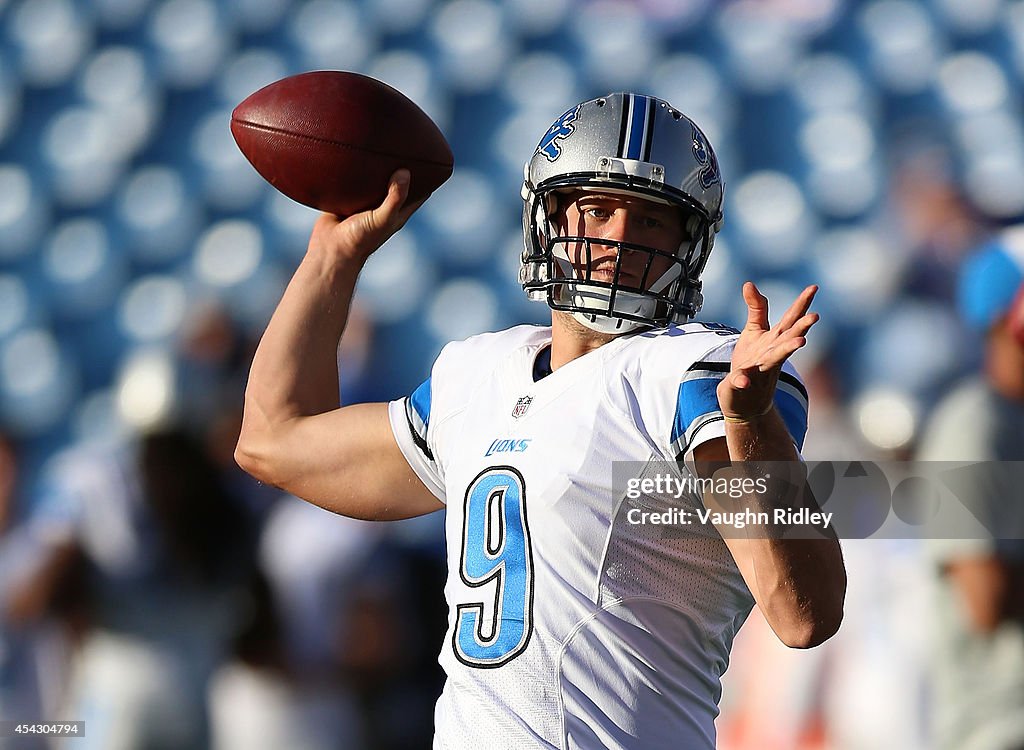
<point>295,435</point>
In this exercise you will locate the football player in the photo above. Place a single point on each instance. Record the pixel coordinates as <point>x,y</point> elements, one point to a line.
<point>570,625</point>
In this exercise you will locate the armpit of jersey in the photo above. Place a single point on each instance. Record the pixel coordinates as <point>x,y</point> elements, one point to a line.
<point>697,407</point>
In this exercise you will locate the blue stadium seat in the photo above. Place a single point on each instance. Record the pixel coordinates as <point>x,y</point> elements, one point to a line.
<point>770,223</point>
<point>618,44</point>
<point>397,17</point>
<point>80,152</point>
<point>51,37</point>
<point>152,309</point>
<point>394,284</point>
<point>119,15</point>
<point>38,382</point>
<point>859,270</point>
<point>16,309</point>
<point>903,348</point>
<point>256,16</point>
<point>463,219</point>
<point>24,211</point>
<point>83,271</point>
<point>416,76</point>
<point>461,307</point>
<point>191,40</point>
<point>331,35</point>
<point>158,212</point>
<point>250,70</point>
<point>761,47</point>
<point>903,46</point>
<point>471,44</point>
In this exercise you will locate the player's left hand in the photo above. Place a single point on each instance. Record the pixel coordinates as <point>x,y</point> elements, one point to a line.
<point>749,389</point>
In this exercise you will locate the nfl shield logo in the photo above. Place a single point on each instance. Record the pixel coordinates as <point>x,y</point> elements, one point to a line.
<point>521,406</point>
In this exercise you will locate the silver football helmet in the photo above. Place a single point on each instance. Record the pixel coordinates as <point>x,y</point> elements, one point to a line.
<point>643,147</point>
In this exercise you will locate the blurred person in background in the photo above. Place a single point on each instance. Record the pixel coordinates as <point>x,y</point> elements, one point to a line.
<point>388,633</point>
<point>932,216</point>
<point>979,621</point>
<point>286,686</point>
<point>339,649</point>
<point>32,649</point>
<point>589,632</point>
<point>211,356</point>
<point>158,553</point>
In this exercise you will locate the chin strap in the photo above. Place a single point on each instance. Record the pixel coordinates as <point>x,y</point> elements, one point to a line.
<point>606,323</point>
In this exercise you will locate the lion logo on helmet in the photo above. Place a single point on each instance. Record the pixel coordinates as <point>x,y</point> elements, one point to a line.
<point>710,173</point>
<point>562,128</point>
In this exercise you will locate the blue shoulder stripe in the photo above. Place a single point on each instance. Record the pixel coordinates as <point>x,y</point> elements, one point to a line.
<point>697,403</point>
<point>420,400</point>
<point>417,413</point>
<point>696,397</point>
<point>792,406</point>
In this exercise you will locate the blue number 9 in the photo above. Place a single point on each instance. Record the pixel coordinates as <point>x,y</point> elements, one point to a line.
<point>495,546</point>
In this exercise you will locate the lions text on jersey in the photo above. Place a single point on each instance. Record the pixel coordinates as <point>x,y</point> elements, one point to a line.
<point>568,626</point>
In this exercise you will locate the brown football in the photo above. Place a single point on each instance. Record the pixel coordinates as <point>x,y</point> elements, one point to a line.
<point>331,139</point>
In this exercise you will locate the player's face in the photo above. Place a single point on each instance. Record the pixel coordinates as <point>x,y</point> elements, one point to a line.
<point>620,218</point>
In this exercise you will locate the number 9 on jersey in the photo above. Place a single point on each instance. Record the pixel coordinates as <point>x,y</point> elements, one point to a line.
<point>495,547</point>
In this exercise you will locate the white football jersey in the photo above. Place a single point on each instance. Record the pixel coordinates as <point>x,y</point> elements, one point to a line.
<point>570,627</point>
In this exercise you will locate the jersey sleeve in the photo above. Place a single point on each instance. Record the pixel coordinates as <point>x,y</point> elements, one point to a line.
<point>410,422</point>
<point>698,418</point>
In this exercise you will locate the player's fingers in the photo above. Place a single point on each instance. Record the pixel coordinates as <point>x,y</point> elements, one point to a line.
<point>757,307</point>
<point>798,309</point>
<point>782,351</point>
<point>387,216</point>
<point>743,377</point>
<point>368,230</point>
<point>740,380</point>
<point>801,326</point>
<point>398,191</point>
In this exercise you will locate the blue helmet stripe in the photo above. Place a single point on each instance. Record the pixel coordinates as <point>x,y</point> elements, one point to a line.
<point>636,127</point>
